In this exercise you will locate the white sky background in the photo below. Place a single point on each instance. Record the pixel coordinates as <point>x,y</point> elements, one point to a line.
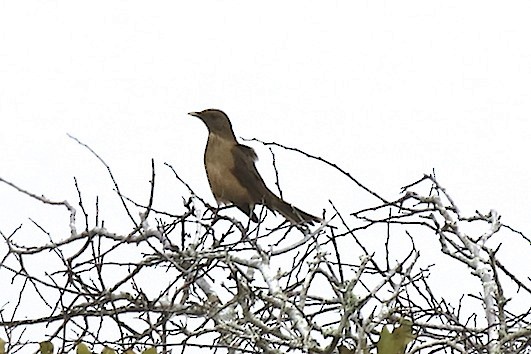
<point>386,90</point>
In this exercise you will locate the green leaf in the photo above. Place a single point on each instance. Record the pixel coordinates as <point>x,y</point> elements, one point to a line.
<point>2,346</point>
<point>46,347</point>
<point>151,350</point>
<point>108,350</point>
<point>82,348</point>
<point>396,342</point>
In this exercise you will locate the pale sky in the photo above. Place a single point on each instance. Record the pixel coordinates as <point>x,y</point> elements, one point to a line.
<point>387,90</point>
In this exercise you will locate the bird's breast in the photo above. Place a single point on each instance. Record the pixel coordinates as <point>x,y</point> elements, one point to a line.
<point>219,165</point>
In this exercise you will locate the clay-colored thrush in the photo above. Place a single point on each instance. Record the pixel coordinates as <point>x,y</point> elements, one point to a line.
<point>232,174</point>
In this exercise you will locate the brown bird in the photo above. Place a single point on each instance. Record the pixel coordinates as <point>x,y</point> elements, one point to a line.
<point>232,174</point>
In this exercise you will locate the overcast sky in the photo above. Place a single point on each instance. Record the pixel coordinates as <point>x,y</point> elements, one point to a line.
<point>387,90</point>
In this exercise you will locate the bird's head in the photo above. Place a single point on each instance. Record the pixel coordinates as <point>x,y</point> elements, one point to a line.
<point>216,121</point>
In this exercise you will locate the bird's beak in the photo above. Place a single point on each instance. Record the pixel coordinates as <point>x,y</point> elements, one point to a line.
<point>195,114</point>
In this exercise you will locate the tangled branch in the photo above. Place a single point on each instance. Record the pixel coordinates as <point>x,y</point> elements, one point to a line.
<point>202,279</point>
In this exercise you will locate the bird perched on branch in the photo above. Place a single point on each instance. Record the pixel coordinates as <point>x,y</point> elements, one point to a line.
<point>232,173</point>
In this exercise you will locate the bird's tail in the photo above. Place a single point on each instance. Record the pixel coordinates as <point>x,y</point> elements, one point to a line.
<point>293,214</point>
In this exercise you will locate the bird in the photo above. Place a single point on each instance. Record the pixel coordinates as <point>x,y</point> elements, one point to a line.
<point>232,173</point>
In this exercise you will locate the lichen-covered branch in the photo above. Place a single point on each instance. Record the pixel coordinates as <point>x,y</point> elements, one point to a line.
<point>203,280</point>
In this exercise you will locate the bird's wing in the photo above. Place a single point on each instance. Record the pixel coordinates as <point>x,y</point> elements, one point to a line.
<point>248,152</point>
<point>246,172</point>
